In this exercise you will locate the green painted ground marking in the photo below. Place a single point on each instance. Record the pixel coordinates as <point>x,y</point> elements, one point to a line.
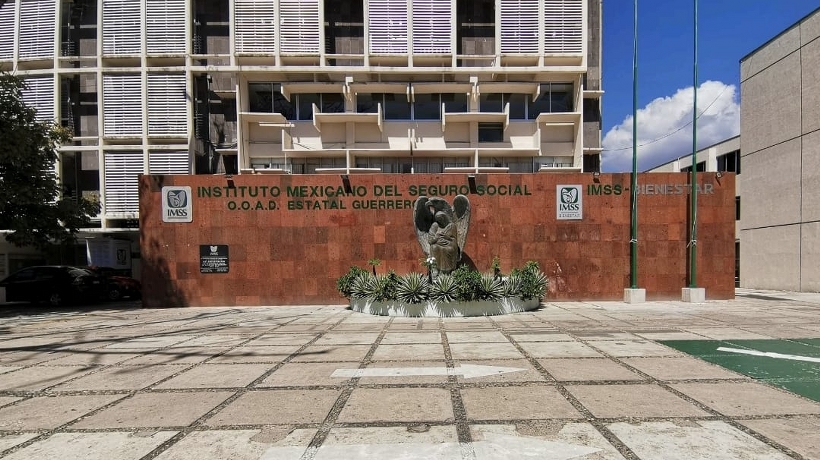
<point>792,364</point>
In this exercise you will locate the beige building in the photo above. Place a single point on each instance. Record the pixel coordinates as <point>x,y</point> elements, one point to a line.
<point>780,145</point>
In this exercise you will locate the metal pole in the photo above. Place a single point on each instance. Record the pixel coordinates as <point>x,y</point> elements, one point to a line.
<point>633,242</point>
<point>693,243</point>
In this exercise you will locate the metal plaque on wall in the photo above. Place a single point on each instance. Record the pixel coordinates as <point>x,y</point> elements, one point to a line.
<point>213,258</point>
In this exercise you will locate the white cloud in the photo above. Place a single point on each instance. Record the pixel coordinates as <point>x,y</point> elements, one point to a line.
<point>665,127</point>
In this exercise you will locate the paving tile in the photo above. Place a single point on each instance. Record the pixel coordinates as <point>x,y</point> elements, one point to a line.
<point>241,444</point>
<point>398,405</point>
<point>623,348</point>
<point>393,338</point>
<point>559,350</point>
<point>724,333</point>
<point>437,442</point>
<point>683,368</point>
<point>28,358</point>
<point>410,352</point>
<point>526,374</point>
<point>8,400</point>
<point>48,412</point>
<point>406,379</point>
<point>9,440</point>
<point>4,369</point>
<point>549,438</point>
<point>747,398</point>
<point>605,335</point>
<point>304,375</point>
<point>151,342</point>
<point>262,354</point>
<point>585,369</point>
<point>93,358</point>
<point>40,377</point>
<point>94,446</point>
<point>484,351</point>
<point>800,434</point>
<point>147,410</point>
<point>122,378</point>
<point>217,376</point>
<point>281,339</point>
<point>687,440</point>
<point>351,338</point>
<point>671,335</point>
<point>210,340</point>
<point>516,403</point>
<point>315,353</point>
<point>276,407</point>
<point>640,400</point>
<point>476,336</point>
<point>543,337</point>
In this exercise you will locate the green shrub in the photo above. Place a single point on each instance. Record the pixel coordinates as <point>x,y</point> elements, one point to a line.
<point>490,288</point>
<point>413,288</point>
<point>444,289</point>
<point>468,283</point>
<point>345,283</point>
<point>533,281</point>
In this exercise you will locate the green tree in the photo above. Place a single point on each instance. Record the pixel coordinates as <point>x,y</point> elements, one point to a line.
<point>32,206</point>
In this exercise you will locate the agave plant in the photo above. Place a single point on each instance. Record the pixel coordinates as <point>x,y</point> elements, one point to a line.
<point>512,286</point>
<point>444,289</point>
<point>490,288</point>
<point>364,286</point>
<point>413,288</point>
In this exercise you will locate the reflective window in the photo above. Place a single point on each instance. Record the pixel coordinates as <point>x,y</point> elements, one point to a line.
<point>396,107</point>
<point>427,107</point>
<point>455,102</point>
<point>553,97</point>
<point>490,102</point>
<point>490,132</point>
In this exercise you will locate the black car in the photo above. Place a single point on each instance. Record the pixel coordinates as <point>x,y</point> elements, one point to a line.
<point>53,284</point>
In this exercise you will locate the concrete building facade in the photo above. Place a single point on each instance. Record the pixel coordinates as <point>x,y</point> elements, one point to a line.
<point>780,151</point>
<point>306,87</point>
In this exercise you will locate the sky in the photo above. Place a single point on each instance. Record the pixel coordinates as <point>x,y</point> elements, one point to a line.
<point>728,30</point>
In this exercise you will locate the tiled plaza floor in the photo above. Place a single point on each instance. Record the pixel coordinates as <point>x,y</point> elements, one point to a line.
<point>583,380</point>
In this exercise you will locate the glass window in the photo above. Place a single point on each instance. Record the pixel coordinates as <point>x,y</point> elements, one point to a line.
<point>518,106</point>
<point>283,106</point>
<point>305,105</point>
<point>333,103</point>
<point>491,102</point>
<point>455,102</point>
<point>396,107</point>
<point>490,132</point>
<point>560,97</point>
<point>427,107</point>
<point>367,103</point>
<point>260,97</point>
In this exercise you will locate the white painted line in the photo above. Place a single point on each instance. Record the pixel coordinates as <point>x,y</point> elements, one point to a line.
<point>469,371</point>
<point>498,447</point>
<point>770,354</point>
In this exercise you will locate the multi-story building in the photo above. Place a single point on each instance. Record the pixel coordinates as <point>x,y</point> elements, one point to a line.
<point>306,86</point>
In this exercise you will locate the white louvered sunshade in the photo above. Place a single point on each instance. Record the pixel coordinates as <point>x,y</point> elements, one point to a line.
<point>169,162</point>
<point>36,29</point>
<point>7,23</point>
<point>167,108</point>
<point>39,95</point>
<point>563,26</point>
<point>387,22</point>
<point>299,26</point>
<point>121,27</point>
<point>165,26</point>
<point>122,105</point>
<point>254,26</point>
<point>519,26</point>
<point>121,188</point>
<point>432,26</point>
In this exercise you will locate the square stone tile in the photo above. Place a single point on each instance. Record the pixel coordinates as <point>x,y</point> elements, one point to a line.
<point>210,340</point>
<point>278,443</point>
<point>747,398</point>
<point>476,336</point>
<point>281,339</point>
<point>93,358</point>
<point>40,377</point>
<point>493,350</point>
<point>217,376</point>
<point>351,338</point>
<point>406,379</point>
<point>49,412</point>
<point>605,335</point>
<point>8,400</point>
<point>122,378</point>
<point>315,353</point>
<point>680,368</point>
<point>685,440</point>
<point>276,407</point>
<point>177,355</point>
<point>622,348</point>
<point>544,439</point>
<point>147,410</point>
<point>559,350</point>
<point>9,440</point>
<point>799,434</point>
<point>586,369</point>
<point>670,335</point>
<point>28,358</point>
<point>264,354</point>
<point>305,375</point>
<point>543,337</point>
<point>150,342</point>
<point>393,338</point>
<point>516,403</point>
<point>94,446</point>
<point>527,373</point>
<point>4,369</point>
<point>724,333</point>
<point>398,405</point>
<point>436,442</point>
<point>642,400</point>
<point>410,352</point>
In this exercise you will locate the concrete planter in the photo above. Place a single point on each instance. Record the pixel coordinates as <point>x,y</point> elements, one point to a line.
<point>444,309</point>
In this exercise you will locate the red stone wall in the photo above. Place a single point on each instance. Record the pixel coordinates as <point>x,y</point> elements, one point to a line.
<point>282,255</point>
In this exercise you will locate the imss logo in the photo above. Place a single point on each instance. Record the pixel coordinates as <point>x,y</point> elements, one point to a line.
<point>568,202</point>
<point>176,204</point>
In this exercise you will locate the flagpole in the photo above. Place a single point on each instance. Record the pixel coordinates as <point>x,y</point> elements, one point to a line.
<point>693,243</point>
<point>633,242</point>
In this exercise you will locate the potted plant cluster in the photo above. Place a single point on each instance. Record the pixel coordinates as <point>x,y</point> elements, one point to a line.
<point>463,292</point>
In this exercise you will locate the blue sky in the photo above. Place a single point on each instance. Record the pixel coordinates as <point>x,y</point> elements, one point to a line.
<point>727,31</point>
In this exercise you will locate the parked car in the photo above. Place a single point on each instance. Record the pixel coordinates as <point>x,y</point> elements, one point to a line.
<point>53,284</point>
<point>116,286</point>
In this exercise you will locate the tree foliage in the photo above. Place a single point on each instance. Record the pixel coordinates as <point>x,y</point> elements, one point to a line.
<point>31,203</point>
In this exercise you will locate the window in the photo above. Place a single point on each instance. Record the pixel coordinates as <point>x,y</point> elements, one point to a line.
<point>490,132</point>
<point>495,102</point>
<point>701,168</point>
<point>395,106</point>
<point>553,97</point>
<point>737,208</point>
<point>455,102</point>
<point>266,97</point>
<point>427,107</point>
<point>729,162</point>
